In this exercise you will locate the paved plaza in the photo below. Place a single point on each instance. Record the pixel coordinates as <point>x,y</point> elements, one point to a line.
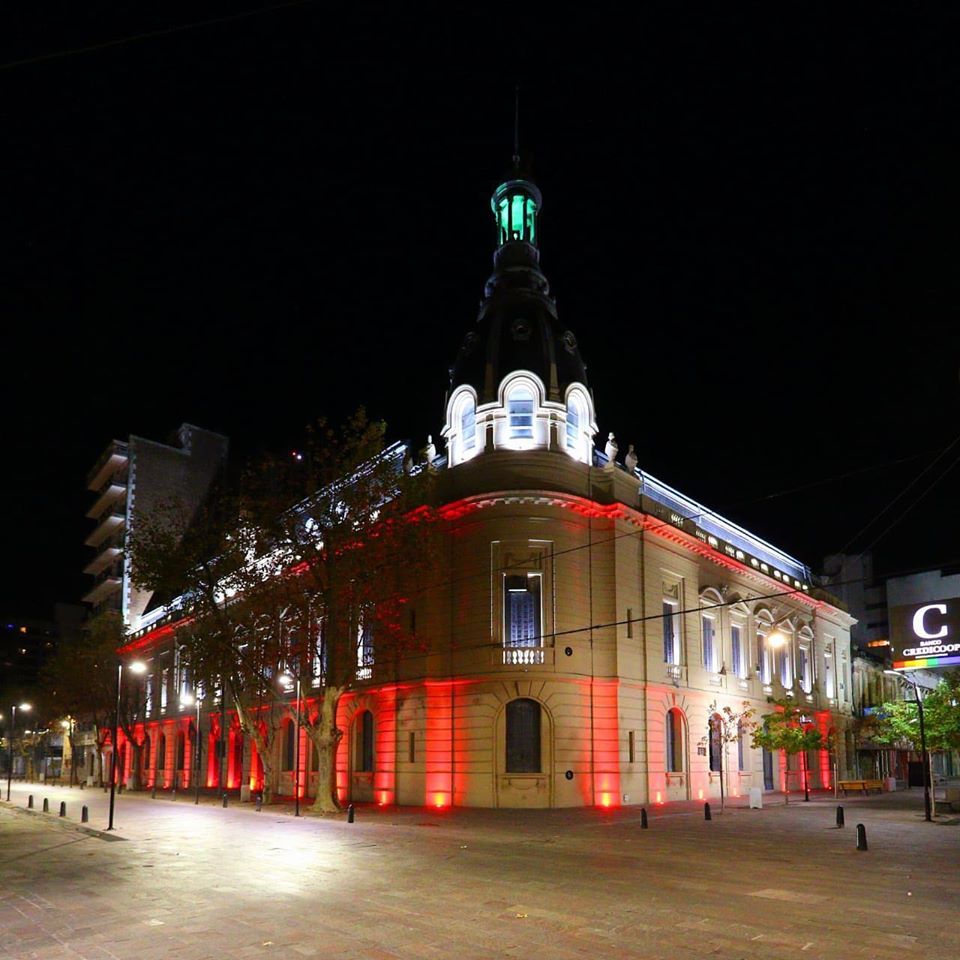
<point>198,881</point>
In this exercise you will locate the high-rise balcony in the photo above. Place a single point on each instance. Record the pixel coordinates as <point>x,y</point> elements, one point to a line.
<point>110,552</point>
<point>108,463</point>
<point>112,489</point>
<point>110,523</point>
<point>106,583</point>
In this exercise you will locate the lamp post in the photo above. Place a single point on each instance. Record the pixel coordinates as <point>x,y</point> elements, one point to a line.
<point>924,756</point>
<point>135,667</point>
<point>25,707</point>
<point>186,700</point>
<point>68,733</point>
<point>289,682</point>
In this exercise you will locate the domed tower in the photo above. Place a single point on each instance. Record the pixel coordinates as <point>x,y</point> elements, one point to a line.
<point>518,382</point>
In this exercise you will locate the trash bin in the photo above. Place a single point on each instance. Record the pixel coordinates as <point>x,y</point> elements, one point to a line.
<point>245,793</point>
<point>756,798</point>
<point>890,784</point>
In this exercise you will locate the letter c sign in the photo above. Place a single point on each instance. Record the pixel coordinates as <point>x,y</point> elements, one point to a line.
<point>918,625</point>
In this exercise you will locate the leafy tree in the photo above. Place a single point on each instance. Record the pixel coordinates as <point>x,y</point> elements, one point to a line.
<point>308,565</point>
<point>80,681</point>
<point>727,726</point>
<point>786,729</point>
<point>898,721</point>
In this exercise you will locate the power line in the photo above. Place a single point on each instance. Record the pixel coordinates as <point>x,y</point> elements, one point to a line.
<point>901,495</point>
<point>150,34</point>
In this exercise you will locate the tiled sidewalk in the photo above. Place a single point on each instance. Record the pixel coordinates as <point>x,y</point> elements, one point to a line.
<point>195,882</point>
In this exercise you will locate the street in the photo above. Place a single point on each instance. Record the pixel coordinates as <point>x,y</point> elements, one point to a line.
<point>201,881</point>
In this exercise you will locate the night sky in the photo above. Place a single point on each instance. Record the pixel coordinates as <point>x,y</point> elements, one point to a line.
<point>750,223</point>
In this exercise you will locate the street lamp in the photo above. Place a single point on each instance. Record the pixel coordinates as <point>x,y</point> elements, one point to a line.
<point>186,699</point>
<point>287,681</point>
<point>925,757</point>
<point>25,707</point>
<point>135,667</point>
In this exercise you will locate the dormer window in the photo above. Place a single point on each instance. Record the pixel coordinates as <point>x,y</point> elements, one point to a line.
<point>520,414</point>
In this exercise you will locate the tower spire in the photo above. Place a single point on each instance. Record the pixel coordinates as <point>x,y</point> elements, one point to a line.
<point>516,129</point>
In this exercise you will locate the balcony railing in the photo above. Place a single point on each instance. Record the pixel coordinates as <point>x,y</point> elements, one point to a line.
<point>522,656</point>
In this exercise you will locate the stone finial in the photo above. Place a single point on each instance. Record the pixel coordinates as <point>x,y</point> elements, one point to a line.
<point>611,449</point>
<point>430,451</point>
<point>630,460</point>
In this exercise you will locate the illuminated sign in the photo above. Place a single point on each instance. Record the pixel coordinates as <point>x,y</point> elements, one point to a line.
<point>926,635</point>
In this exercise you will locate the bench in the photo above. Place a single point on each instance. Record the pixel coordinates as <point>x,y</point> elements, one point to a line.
<point>864,786</point>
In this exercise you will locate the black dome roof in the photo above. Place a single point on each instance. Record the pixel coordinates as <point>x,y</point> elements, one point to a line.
<point>517,327</point>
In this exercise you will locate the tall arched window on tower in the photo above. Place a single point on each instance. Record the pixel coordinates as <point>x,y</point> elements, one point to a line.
<point>468,426</point>
<point>523,736</point>
<point>520,413</point>
<point>574,420</point>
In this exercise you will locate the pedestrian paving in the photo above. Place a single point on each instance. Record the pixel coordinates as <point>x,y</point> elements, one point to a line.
<point>197,881</point>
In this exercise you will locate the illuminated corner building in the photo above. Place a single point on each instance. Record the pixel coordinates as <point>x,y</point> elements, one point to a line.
<point>133,477</point>
<point>588,614</point>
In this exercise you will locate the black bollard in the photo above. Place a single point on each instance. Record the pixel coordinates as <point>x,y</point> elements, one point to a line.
<point>84,815</point>
<point>173,795</point>
<point>839,816</point>
<point>30,802</point>
<point>153,792</point>
<point>643,818</point>
<point>259,802</point>
<point>706,812</point>
<point>46,805</point>
<point>224,801</point>
<point>63,808</point>
<point>350,813</point>
<point>861,837</point>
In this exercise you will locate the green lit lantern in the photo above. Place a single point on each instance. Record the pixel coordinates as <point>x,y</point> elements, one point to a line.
<point>515,205</point>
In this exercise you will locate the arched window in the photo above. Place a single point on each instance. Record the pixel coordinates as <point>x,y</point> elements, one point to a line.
<point>573,425</point>
<point>520,413</point>
<point>523,736</point>
<point>468,426</point>
<point>146,753</point>
<point>674,741</point>
<point>365,742</point>
<point>716,743</point>
<point>289,744</point>
<point>162,751</point>
<point>181,751</point>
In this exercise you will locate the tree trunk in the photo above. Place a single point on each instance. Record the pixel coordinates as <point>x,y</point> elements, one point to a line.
<point>325,736</point>
<point>252,729</point>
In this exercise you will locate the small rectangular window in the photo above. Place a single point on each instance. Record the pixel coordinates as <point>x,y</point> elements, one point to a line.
<point>632,746</point>
<point>629,623</point>
<point>412,748</point>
